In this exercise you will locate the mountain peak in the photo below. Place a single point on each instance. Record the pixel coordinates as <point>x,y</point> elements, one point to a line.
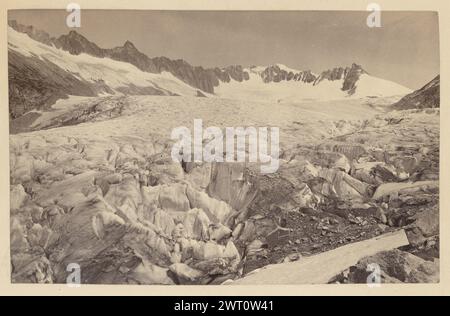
<point>129,45</point>
<point>75,43</point>
<point>75,37</point>
<point>75,34</point>
<point>357,67</point>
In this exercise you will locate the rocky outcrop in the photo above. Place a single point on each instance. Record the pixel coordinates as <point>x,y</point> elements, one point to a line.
<point>426,97</point>
<point>395,266</point>
<point>276,74</point>
<point>349,75</point>
<point>332,74</point>
<point>35,83</point>
<point>352,76</point>
<point>76,44</point>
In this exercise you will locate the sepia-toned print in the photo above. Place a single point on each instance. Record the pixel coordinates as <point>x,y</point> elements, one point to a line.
<point>224,147</point>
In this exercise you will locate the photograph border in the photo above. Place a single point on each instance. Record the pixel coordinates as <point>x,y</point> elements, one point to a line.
<point>442,288</point>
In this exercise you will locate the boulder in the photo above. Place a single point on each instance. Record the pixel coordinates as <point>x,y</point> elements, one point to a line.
<point>427,221</point>
<point>423,225</point>
<point>396,266</point>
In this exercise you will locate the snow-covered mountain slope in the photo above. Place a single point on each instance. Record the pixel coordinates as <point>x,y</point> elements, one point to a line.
<point>115,74</point>
<point>370,86</point>
<point>101,75</point>
<point>257,90</point>
<point>43,70</point>
<point>282,84</point>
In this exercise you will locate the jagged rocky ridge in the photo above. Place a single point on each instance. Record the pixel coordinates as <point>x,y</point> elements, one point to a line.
<point>204,79</point>
<point>75,43</point>
<point>28,86</point>
<point>350,75</point>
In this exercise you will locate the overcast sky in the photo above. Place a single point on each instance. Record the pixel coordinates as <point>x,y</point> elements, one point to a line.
<point>405,49</point>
